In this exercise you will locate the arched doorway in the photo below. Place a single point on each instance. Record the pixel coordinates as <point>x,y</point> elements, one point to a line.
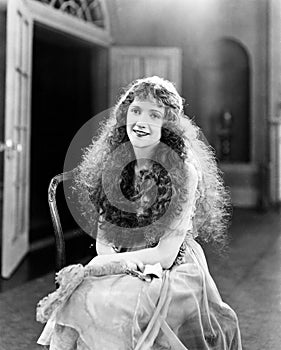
<point>225,90</point>
<point>233,96</point>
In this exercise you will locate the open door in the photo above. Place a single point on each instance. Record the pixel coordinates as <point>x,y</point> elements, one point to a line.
<point>17,135</point>
<point>128,63</point>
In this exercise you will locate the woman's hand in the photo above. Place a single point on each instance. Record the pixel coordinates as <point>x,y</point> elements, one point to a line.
<point>133,263</point>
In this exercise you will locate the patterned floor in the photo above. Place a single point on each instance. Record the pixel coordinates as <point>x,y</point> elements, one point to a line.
<point>249,279</point>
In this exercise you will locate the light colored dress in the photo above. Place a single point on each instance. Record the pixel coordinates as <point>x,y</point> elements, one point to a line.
<point>182,310</point>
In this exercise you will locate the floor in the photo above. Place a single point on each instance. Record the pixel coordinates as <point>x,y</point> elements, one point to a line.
<point>42,261</point>
<point>249,279</point>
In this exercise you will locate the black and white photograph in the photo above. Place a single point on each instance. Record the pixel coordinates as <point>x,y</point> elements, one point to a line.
<point>140,174</point>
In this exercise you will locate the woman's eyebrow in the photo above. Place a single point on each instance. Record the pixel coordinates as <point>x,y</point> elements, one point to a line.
<point>156,110</point>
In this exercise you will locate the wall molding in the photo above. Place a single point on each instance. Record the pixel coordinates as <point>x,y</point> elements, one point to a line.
<point>43,14</point>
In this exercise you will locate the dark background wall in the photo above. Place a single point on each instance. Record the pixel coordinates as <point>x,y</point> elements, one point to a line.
<point>61,90</point>
<point>68,88</point>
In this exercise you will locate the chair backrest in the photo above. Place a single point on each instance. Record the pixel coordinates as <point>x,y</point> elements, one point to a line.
<point>59,236</point>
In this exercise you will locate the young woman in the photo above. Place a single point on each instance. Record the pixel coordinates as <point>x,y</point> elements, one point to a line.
<point>154,187</point>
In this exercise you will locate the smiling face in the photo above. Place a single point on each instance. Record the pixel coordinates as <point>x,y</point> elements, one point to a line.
<point>144,122</point>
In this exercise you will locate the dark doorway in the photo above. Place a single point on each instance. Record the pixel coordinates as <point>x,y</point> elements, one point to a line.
<point>225,98</point>
<point>66,91</point>
<point>234,97</point>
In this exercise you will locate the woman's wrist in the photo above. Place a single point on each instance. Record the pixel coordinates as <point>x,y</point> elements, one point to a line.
<point>104,249</point>
<point>103,259</point>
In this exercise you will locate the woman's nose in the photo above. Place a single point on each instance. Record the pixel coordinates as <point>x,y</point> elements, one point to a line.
<point>141,124</point>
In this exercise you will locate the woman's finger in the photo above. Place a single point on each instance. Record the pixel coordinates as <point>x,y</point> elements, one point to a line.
<point>131,265</point>
<point>140,266</point>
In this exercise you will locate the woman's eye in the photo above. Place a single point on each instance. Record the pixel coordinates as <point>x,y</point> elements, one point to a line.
<point>135,111</point>
<point>155,115</point>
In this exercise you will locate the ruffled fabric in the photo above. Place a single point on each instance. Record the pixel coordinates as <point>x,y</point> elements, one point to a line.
<point>68,279</point>
<point>182,310</point>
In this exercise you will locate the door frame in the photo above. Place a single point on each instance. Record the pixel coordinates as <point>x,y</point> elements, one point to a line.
<point>42,14</point>
<point>55,19</point>
<point>274,104</point>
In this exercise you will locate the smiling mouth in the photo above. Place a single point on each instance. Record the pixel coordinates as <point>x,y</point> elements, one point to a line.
<point>140,133</point>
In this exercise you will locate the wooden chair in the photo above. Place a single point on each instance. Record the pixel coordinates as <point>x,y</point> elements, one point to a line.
<point>59,236</point>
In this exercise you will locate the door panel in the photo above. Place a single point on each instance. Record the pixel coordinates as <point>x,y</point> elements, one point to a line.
<point>129,63</point>
<point>17,135</point>
<point>157,66</point>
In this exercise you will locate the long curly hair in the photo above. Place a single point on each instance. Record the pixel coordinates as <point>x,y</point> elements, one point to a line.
<point>157,194</point>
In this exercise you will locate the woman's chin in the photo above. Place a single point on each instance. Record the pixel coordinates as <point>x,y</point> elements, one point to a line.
<point>144,144</point>
<point>141,144</point>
